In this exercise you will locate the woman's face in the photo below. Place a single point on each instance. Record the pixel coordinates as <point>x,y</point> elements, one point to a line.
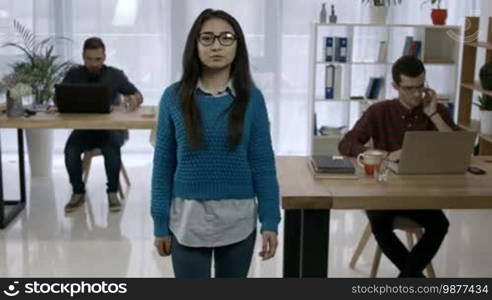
<point>217,44</point>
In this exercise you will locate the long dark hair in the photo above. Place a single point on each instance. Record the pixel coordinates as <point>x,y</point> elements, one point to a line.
<point>192,70</point>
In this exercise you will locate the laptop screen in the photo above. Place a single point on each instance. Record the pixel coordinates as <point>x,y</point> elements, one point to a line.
<point>434,152</point>
<point>82,98</point>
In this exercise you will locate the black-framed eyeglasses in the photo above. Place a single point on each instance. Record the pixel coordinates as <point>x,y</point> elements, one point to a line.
<point>224,38</point>
<point>411,89</point>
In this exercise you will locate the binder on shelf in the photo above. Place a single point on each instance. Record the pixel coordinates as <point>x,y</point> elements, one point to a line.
<point>341,45</point>
<point>328,49</point>
<point>412,47</point>
<point>369,87</point>
<point>416,48</point>
<point>330,81</point>
<point>383,51</point>
<point>407,45</point>
<point>315,124</point>
<point>374,88</point>
<point>377,87</point>
<point>337,85</point>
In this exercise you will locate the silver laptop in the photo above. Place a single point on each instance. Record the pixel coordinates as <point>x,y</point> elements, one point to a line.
<point>434,152</point>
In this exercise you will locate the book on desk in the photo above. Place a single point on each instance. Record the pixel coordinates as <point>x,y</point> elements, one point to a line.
<point>332,167</point>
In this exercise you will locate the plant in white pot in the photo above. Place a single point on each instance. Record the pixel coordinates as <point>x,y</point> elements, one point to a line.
<point>485,105</point>
<point>40,68</point>
<point>378,10</point>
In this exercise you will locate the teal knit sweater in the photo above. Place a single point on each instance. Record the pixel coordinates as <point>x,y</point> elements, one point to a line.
<point>214,172</point>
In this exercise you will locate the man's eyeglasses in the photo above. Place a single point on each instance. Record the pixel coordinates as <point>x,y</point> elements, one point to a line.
<point>412,89</point>
<point>224,38</point>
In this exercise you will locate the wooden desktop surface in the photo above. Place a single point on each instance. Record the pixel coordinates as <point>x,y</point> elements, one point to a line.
<point>300,190</point>
<point>117,119</point>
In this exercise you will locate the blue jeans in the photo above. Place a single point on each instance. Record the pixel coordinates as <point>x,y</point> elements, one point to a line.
<point>231,261</point>
<point>109,141</point>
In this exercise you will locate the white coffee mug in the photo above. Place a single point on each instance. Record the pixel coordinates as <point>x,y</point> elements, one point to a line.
<point>370,160</point>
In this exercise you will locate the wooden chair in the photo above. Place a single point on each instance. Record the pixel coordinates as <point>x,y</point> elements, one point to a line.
<point>410,228</point>
<point>86,166</point>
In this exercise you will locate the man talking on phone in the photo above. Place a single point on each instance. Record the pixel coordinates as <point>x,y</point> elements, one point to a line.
<point>386,122</point>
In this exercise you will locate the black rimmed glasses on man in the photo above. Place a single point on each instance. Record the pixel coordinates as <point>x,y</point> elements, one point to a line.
<point>224,38</point>
<point>413,89</point>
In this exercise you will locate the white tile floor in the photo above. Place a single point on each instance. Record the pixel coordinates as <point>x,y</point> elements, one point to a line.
<point>92,242</point>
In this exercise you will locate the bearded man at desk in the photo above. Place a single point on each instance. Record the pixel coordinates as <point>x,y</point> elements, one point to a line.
<point>109,141</point>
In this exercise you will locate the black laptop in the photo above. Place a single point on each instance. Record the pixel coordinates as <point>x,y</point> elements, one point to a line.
<point>83,98</point>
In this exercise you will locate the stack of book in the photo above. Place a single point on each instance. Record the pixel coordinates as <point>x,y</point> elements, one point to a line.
<point>332,167</point>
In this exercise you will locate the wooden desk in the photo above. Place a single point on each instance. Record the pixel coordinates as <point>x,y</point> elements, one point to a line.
<point>117,119</point>
<point>307,203</point>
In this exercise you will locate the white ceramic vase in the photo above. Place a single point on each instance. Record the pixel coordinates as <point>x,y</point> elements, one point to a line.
<point>14,107</point>
<point>40,150</point>
<point>376,14</point>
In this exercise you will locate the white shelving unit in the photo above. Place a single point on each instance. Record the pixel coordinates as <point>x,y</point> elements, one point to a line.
<point>440,53</point>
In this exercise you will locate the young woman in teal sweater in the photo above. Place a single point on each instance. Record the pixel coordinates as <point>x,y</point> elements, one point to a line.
<point>214,168</point>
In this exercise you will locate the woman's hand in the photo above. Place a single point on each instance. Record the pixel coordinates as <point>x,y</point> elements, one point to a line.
<point>269,244</point>
<point>163,245</point>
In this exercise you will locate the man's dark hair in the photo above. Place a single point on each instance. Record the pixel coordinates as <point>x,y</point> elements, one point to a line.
<point>408,65</point>
<point>94,43</point>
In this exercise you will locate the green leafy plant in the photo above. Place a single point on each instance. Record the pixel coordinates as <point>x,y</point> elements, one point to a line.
<point>381,2</point>
<point>433,2</point>
<point>484,102</point>
<point>39,67</point>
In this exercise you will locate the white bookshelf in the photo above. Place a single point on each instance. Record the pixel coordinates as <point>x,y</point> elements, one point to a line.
<point>440,53</point>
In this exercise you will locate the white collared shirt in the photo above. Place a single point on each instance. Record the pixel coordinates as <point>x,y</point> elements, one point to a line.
<point>228,88</point>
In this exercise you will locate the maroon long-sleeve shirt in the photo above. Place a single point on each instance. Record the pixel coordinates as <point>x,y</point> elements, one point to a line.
<point>386,123</point>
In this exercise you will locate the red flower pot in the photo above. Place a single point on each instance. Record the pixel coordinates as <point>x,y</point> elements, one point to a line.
<point>439,16</point>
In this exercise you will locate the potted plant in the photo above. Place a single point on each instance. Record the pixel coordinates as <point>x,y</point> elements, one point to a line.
<point>485,105</point>
<point>485,76</point>
<point>438,15</point>
<point>378,10</point>
<point>39,67</point>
